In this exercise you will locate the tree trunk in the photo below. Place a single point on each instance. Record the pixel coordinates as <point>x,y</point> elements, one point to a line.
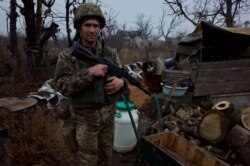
<point>68,4</point>
<point>47,33</point>
<point>30,20</point>
<point>13,35</point>
<point>38,19</point>
<point>229,17</point>
<point>32,42</point>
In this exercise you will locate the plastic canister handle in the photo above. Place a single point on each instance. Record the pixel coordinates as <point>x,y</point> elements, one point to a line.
<point>118,114</point>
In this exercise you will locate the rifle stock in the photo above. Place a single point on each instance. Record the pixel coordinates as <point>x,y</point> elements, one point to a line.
<point>84,54</point>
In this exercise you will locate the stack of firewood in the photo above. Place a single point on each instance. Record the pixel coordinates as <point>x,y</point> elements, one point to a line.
<point>219,128</point>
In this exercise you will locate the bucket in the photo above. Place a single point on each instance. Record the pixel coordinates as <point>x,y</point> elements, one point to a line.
<point>178,91</point>
<point>124,135</point>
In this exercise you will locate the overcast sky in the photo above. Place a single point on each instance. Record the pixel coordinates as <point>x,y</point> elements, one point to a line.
<point>127,11</point>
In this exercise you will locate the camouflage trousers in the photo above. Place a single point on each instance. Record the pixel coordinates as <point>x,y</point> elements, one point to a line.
<point>95,144</point>
<point>92,136</point>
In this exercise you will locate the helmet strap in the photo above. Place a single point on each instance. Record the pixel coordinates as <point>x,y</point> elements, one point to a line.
<point>77,35</point>
<point>102,42</point>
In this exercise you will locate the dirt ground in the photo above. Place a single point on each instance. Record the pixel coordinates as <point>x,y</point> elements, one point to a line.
<point>124,159</point>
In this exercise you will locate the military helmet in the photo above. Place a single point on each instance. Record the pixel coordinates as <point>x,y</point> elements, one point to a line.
<point>88,10</point>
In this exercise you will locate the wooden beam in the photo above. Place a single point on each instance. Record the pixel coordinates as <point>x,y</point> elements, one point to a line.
<point>225,64</point>
<point>223,75</point>
<point>203,89</point>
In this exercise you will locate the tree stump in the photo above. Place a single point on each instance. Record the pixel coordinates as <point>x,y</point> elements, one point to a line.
<point>19,108</point>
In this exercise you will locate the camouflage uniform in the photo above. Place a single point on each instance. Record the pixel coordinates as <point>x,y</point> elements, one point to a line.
<point>92,111</point>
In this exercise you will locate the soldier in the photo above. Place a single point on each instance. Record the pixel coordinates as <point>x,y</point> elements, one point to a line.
<point>92,94</point>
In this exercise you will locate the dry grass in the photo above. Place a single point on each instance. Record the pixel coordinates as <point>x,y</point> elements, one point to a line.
<point>18,89</point>
<point>34,141</point>
<point>133,55</point>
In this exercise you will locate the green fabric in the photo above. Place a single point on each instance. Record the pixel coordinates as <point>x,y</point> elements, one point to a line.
<point>91,97</point>
<point>59,70</point>
<point>94,96</point>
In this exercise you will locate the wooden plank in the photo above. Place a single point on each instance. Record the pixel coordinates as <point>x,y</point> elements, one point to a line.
<point>223,75</point>
<point>203,89</point>
<point>180,159</point>
<point>183,151</point>
<point>224,64</point>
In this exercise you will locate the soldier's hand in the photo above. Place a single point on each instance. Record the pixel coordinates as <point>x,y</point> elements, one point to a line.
<point>114,85</point>
<point>98,70</point>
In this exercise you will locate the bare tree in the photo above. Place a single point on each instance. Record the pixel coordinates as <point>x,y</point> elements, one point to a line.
<point>180,34</point>
<point>13,34</point>
<point>165,31</point>
<point>223,12</point>
<point>144,26</point>
<point>68,4</point>
<point>33,20</point>
<point>34,25</point>
<point>111,23</point>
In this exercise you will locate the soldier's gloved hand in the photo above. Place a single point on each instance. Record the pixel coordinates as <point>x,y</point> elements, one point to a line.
<point>98,70</point>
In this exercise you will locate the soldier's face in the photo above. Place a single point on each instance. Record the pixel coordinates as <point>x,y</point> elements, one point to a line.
<point>90,30</point>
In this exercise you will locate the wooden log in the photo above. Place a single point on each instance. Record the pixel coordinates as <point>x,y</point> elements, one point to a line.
<point>171,125</point>
<point>192,121</point>
<point>244,154</point>
<point>245,118</point>
<point>206,105</point>
<point>224,106</point>
<point>238,136</point>
<point>171,122</point>
<point>242,117</point>
<point>236,116</point>
<point>183,114</point>
<point>213,126</point>
<point>188,129</point>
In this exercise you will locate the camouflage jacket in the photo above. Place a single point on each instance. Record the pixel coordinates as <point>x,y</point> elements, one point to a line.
<point>72,80</point>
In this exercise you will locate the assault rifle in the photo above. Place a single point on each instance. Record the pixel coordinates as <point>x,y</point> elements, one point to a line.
<point>84,54</point>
